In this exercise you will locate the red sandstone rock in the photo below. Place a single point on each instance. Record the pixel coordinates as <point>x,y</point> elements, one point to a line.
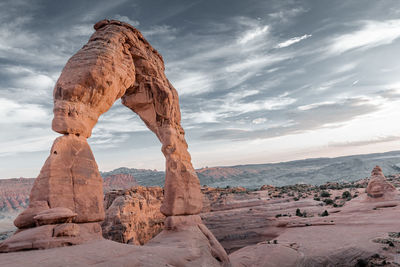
<point>264,254</point>
<point>54,216</point>
<point>67,229</point>
<point>133,216</point>
<point>25,218</point>
<point>70,179</point>
<point>378,186</point>
<point>51,236</point>
<point>118,62</point>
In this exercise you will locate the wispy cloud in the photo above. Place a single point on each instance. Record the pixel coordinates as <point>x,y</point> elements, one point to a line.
<point>126,19</point>
<point>287,14</point>
<point>293,40</point>
<point>12,112</point>
<point>159,30</point>
<point>316,105</point>
<point>253,34</point>
<point>376,140</point>
<point>372,34</point>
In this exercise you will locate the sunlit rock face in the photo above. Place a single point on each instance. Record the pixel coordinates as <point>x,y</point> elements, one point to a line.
<point>117,62</point>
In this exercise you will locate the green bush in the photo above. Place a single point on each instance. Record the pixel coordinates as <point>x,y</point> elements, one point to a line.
<point>346,194</point>
<point>325,194</point>
<point>328,201</point>
<point>298,213</point>
<point>325,213</point>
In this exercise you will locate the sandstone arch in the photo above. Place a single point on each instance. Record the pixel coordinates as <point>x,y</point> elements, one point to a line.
<point>117,62</point>
<point>66,201</point>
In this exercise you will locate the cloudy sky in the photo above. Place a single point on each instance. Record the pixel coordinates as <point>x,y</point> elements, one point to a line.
<point>259,81</point>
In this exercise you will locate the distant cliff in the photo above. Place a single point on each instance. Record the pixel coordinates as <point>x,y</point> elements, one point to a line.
<point>14,192</point>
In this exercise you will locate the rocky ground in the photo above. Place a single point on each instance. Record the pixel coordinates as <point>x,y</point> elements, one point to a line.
<point>335,224</point>
<point>329,225</point>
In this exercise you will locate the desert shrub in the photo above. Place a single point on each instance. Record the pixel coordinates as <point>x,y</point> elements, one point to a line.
<point>325,213</point>
<point>278,215</point>
<point>328,201</point>
<point>296,199</point>
<point>317,199</point>
<point>298,213</point>
<point>301,214</point>
<point>346,194</point>
<point>361,263</point>
<point>325,194</point>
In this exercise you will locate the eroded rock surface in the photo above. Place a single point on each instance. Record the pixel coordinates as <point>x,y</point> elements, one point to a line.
<point>378,186</point>
<point>69,179</point>
<point>133,216</point>
<point>117,62</point>
<point>187,242</point>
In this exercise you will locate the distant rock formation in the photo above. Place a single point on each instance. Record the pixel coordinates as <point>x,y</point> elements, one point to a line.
<point>133,216</point>
<point>118,181</point>
<point>66,201</point>
<point>14,194</point>
<point>378,186</point>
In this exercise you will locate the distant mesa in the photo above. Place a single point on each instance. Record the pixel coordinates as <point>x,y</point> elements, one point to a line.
<point>118,181</point>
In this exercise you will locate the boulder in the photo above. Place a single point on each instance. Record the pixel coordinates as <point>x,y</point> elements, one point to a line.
<point>54,216</point>
<point>25,218</point>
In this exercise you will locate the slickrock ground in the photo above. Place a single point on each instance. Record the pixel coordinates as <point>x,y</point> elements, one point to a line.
<point>277,226</point>
<point>355,228</point>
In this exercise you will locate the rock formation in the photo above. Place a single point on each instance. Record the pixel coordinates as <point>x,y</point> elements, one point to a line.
<point>378,186</point>
<point>66,201</point>
<point>118,181</point>
<point>133,215</point>
<point>14,194</point>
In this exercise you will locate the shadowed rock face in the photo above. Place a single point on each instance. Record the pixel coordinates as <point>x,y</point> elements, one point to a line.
<point>117,62</point>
